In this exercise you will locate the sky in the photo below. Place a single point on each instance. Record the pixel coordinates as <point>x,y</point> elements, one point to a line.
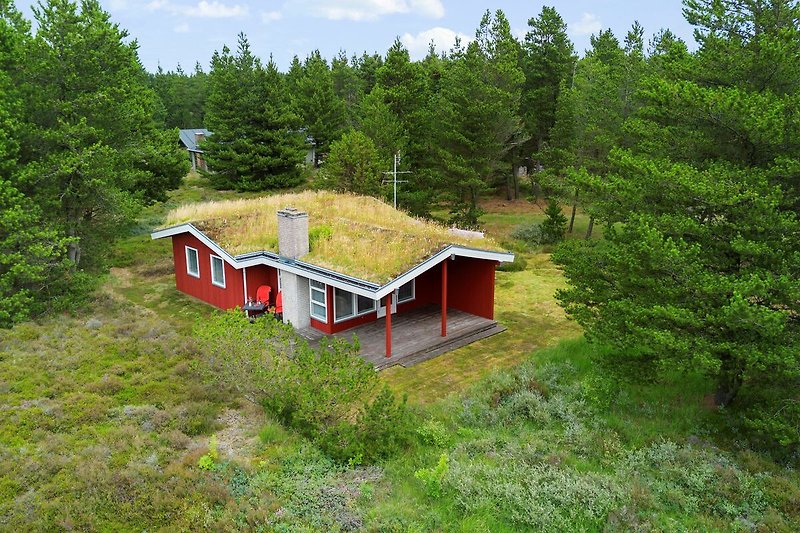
<point>172,32</point>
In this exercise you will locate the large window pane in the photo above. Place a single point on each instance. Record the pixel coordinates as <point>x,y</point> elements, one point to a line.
<point>217,271</point>
<point>192,264</point>
<point>343,304</point>
<point>318,311</point>
<point>365,305</point>
<point>318,296</point>
<point>406,292</point>
<point>319,300</point>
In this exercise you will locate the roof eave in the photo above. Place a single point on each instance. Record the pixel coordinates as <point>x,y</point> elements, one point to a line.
<point>330,277</point>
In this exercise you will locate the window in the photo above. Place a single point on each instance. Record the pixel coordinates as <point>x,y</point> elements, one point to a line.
<point>319,300</point>
<point>406,292</point>
<point>364,304</point>
<point>192,262</point>
<point>217,271</point>
<point>343,305</point>
<point>348,305</point>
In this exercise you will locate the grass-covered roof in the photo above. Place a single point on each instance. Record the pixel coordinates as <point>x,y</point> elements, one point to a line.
<point>359,236</point>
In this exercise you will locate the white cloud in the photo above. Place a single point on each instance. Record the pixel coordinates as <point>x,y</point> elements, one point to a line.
<point>360,10</point>
<point>443,39</point>
<point>428,8</point>
<point>181,28</point>
<point>588,25</point>
<point>271,16</point>
<point>203,9</point>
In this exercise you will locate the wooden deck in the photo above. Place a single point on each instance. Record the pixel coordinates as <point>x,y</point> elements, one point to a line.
<point>416,336</point>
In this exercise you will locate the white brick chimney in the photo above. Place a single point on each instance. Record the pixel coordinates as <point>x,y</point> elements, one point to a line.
<point>292,233</point>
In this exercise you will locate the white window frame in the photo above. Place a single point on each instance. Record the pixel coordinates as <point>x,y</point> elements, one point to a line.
<point>213,281</point>
<point>354,300</point>
<point>197,262</point>
<point>413,283</point>
<point>312,302</point>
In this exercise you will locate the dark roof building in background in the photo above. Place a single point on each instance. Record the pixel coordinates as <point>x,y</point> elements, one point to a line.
<point>191,139</point>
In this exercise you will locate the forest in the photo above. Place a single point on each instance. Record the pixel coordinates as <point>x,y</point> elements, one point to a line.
<point>667,178</point>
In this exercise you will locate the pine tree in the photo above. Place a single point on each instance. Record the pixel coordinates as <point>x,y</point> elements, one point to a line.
<point>257,143</point>
<point>352,165</point>
<point>323,111</point>
<point>548,61</point>
<point>699,266</point>
<point>478,122</point>
<point>90,145</point>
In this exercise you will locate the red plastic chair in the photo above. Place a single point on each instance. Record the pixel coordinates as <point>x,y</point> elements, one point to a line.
<point>262,294</point>
<point>279,304</point>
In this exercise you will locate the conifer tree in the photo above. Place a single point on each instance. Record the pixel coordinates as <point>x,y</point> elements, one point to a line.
<point>256,143</point>
<point>699,265</point>
<point>90,146</point>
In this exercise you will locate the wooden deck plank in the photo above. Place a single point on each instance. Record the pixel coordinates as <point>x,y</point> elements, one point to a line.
<point>416,335</point>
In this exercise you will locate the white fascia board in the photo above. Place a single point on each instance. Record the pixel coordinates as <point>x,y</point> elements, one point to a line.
<point>450,251</point>
<point>298,268</point>
<point>189,228</point>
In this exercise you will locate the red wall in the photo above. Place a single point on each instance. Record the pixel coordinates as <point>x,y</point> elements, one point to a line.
<point>228,298</point>
<point>262,275</point>
<point>470,286</point>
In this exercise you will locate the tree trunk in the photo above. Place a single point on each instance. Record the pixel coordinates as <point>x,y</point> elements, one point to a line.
<point>729,382</point>
<point>512,186</point>
<point>590,228</point>
<point>74,246</point>
<point>574,209</point>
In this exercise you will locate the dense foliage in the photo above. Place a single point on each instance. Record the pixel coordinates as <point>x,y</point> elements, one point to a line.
<point>256,143</point>
<point>700,262</point>
<point>78,142</point>
<point>328,393</point>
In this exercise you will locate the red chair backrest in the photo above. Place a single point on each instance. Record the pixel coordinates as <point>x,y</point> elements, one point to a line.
<point>262,293</point>
<point>279,302</point>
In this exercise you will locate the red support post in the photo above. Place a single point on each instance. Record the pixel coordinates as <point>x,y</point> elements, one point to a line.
<point>444,298</point>
<point>389,325</point>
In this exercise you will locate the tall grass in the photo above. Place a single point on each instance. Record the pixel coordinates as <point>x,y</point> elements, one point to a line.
<point>368,239</point>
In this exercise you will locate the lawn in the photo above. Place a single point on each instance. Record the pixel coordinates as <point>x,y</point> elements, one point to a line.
<point>104,422</point>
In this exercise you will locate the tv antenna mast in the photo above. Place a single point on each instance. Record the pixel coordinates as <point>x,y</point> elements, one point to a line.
<point>394,174</point>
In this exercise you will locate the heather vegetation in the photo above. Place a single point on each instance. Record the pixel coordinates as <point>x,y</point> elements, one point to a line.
<point>648,378</point>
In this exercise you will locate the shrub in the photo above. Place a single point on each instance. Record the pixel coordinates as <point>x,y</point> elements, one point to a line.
<point>384,426</point>
<point>433,432</point>
<point>554,227</point>
<point>465,216</point>
<point>776,428</point>
<point>210,458</point>
<point>324,393</point>
<point>530,234</point>
<point>433,477</point>
<point>318,234</point>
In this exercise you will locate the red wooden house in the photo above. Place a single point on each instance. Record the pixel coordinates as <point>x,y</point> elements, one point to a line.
<point>455,278</point>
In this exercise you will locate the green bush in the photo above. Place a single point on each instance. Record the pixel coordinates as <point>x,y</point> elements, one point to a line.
<point>384,426</point>
<point>433,432</point>
<point>776,428</point>
<point>554,227</point>
<point>530,234</point>
<point>318,234</point>
<point>325,393</point>
<point>432,478</point>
